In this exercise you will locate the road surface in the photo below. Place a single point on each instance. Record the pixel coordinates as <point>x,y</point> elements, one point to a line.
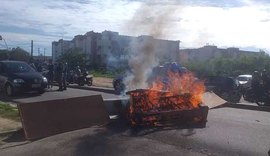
<point>229,131</point>
<point>53,94</point>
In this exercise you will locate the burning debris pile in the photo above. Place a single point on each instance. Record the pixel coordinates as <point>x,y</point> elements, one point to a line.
<point>174,96</point>
<point>179,100</point>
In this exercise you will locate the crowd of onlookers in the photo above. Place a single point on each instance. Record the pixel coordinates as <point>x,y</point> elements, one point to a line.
<point>53,72</point>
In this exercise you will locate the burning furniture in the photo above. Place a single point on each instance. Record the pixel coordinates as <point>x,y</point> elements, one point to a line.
<point>180,101</point>
<point>166,110</point>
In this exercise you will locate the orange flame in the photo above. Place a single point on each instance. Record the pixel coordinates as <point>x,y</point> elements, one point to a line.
<point>179,84</point>
<point>179,92</point>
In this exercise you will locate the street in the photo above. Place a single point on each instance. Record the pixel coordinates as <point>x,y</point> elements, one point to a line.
<point>52,94</point>
<point>228,131</point>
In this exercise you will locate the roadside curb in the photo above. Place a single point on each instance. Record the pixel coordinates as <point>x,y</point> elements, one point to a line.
<point>100,89</point>
<point>5,133</point>
<point>249,107</point>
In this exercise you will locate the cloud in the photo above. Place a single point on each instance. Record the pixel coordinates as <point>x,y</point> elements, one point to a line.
<point>240,23</point>
<point>56,19</point>
<point>241,26</point>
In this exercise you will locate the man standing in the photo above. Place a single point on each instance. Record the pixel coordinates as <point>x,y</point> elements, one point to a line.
<point>59,75</point>
<point>50,74</point>
<point>65,70</point>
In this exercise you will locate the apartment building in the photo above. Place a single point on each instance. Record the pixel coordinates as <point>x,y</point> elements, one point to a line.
<point>210,52</point>
<point>109,49</point>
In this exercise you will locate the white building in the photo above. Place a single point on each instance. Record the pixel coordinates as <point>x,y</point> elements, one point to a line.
<point>208,52</point>
<point>109,49</point>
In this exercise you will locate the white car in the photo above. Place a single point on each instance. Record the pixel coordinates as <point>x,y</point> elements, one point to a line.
<point>244,80</point>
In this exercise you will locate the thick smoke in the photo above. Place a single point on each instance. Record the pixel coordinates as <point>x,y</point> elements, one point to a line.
<point>154,19</point>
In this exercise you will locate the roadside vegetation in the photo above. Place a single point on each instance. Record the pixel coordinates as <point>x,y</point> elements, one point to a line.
<point>9,112</point>
<point>230,66</point>
<point>105,73</point>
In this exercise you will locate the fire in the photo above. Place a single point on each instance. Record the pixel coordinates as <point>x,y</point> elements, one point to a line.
<point>175,92</point>
<point>178,85</point>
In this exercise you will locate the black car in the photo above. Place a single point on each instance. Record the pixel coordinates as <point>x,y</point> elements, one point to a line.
<point>17,76</point>
<point>225,87</point>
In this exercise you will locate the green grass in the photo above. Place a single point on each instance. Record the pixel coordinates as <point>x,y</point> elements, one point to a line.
<point>104,73</point>
<point>9,112</point>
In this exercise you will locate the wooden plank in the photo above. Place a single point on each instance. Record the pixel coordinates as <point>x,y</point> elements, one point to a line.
<point>42,119</point>
<point>212,100</point>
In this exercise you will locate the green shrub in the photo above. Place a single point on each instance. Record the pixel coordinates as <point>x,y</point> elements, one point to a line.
<point>9,112</point>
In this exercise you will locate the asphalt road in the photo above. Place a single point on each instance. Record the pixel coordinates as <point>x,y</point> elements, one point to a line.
<point>229,131</point>
<point>53,94</point>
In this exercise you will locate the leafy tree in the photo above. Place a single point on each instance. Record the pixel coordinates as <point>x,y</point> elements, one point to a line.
<point>17,54</point>
<point>3,54</point>
<point>74,57</point>
<point>230,66</point>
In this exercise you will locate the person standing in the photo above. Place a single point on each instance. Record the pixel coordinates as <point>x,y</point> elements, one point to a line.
<point>255,83</point>
<point>65,70</point>
<point>265,81</point>
<point>50,74</point>
<point>59,75</point>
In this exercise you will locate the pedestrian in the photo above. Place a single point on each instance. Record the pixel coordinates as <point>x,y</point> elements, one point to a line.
<point>39,67</point>
<point>77,73</point>
<point>255,83</point>
<point>65,70</point>
<point>265,80</point>
<point>50,74</point>
<point>59,75</point>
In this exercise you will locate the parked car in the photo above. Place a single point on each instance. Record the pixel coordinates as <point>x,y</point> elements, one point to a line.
<point>244,80</point>
<point>17,76</point>
<point>225,87</point>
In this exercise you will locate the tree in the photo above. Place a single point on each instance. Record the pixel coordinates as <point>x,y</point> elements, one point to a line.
<point>74,57</point>
<point>17,54</point>
<point>3,54</point>
<point>230,66</point>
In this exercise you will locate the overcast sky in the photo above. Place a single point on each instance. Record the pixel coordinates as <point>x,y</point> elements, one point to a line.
<point>224,23</point>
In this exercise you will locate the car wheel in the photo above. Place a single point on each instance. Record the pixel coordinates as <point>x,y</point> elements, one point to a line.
<point>260,103</point>
<point>9,90</point>
<point>89,83</point>
<point>41,91</point>
<point>81,83</point>
<point>234,97</point>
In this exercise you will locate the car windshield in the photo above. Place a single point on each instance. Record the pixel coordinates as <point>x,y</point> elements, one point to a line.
<point>242,78</point>
<point>18,67</point>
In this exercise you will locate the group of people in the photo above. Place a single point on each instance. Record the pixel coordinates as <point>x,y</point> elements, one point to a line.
<point>58,72</point>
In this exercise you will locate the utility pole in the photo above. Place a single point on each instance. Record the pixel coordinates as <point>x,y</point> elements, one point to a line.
<point>38,54</point>
<point>31,48</point>
<point>44,54</point>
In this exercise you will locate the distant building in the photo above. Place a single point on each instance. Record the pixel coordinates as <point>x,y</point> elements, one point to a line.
<point>109,49</point>
<point>210,52</point>
<point>59,48</point>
